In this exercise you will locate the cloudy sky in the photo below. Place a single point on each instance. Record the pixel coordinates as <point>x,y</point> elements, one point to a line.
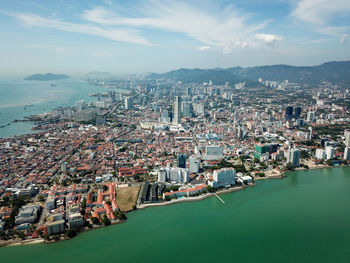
<point>130,36</point>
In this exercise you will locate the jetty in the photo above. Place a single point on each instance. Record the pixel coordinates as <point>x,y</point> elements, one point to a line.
<point>219,198</point>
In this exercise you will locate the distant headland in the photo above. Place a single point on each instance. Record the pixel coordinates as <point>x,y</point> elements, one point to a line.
<point>47,76</point>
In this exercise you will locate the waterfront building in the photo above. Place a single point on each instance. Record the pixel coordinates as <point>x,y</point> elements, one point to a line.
<point>223,177</point>
<point>177,110</point>
<point>347,138</point>
<point>347,154</point>
<point>320,154</point>
<point>329,152</point>
<point>55,224</point>
<point>293,157</point>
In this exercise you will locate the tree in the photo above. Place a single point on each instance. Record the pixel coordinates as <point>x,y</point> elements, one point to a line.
<point>95,220</point>
<point>106,221</point>
<point>210,189</point>
<point>329,162</point>
<point>120,215</point>
<point>71,233</point>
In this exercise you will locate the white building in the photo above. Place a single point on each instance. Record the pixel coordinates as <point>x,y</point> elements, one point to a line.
<point>293,157</point>
<point>177,111</point>
<point>310,116</point>
<point>320,154</point>
<point>128,103</point>
<point>194,164</point>
<point>223,177</point>
<point>347,154</point>
<point>329,152</point>
<point>174,174</point>
<point>347,138</point>
<point>213,153</point>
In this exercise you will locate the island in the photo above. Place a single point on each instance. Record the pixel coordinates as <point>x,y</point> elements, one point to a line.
<point>47,76</point>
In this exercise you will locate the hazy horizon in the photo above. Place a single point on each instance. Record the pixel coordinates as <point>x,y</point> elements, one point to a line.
<point>76,37</point>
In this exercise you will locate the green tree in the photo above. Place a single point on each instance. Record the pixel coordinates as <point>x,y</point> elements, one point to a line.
<point>71,233</point>
<point>95,220</point>
<point>106,221</point>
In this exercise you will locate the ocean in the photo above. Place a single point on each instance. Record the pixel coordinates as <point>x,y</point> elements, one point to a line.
<point>301,218</point>
<point>42,96</point>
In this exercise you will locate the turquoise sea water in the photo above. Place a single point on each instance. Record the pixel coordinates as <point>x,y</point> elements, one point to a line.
<point>17,93</point>
<point>302,218</point>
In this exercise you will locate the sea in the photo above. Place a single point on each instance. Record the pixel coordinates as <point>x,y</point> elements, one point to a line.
<point>20,98</point>
<point>301,218</point>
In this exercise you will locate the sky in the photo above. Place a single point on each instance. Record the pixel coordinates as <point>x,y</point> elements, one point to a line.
<point>141,36</point>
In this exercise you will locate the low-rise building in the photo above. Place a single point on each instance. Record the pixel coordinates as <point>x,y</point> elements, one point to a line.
<point>27,214</point>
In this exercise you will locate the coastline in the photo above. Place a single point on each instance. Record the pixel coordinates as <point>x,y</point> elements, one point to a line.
<point>181,200</point>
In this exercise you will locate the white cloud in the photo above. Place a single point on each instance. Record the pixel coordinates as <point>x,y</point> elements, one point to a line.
<point>318,15</point>
<point>320,11</point>
<point>268,38</point>
<point>204,48</point>
<point>343,38</point>
<point>225,29</point>
<point>123,35</point>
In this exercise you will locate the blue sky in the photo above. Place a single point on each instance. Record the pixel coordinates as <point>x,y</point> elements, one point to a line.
<point>130,36</point>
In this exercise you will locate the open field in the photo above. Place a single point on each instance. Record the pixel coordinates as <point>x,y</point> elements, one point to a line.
<point>127,197</point>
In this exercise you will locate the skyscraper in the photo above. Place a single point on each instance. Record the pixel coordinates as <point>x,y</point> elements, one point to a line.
<point>289,112</point>
<point>129,103</point>
<point>297,112</point>
<point>293,157</point>
<point>181,160</point>
<point>177,110</point>
<point>347,138</point>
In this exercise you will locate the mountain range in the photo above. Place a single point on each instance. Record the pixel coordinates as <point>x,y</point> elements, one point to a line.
<point>337,72</point>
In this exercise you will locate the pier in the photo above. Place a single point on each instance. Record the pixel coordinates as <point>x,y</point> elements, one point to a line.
<point>219,198</point>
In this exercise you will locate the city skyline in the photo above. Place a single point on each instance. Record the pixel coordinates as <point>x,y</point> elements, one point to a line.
<point>156,36</point>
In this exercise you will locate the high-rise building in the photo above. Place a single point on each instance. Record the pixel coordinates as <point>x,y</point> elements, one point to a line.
<point>187,109</point>
<point>80,105</point>
<point>128,103</point>
<point>297,112</point>
<point>177,110</point>
<point>223,177</point>
<point>329,152</point>
<point>310,117</point>
<point>174,174</point>
<point>347,153</point>
<point>289,112</point>
<point>239,132</point>
<point>347,138</point>
<point>194,164</point>
<point>181,160</point>
<point>260,150</point>
<point>293,157</point>
<point>320,154</point>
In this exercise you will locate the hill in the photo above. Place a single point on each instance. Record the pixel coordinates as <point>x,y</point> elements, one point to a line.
<point>338,72</point>
<point>47,76</point>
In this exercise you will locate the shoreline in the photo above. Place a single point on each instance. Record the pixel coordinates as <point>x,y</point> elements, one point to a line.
<point>181,200</point>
